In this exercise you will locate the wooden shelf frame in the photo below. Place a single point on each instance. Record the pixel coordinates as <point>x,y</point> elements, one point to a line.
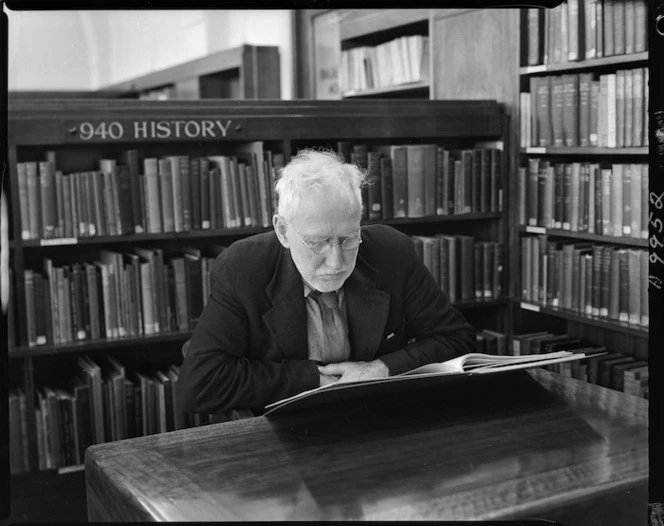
<point>256,69</point>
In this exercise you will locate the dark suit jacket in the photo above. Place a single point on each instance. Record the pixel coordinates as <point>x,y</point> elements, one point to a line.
<point>249,347</point>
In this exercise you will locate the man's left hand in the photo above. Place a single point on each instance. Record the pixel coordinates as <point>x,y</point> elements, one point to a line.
<point>354,371</point>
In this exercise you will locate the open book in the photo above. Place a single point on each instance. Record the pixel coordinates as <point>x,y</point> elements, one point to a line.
<point>471,364</point>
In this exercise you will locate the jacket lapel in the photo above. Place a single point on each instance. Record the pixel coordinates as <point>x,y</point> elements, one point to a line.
<point>287,318</point>
<point>367,308</point>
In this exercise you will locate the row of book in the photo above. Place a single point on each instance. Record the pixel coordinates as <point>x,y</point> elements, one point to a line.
<point>120,294</point>
<point>465,269</point>
<point>182,193</point>
<point>614,369</point>
<point>105,401</point>
<point>586,29</point>
<point>176,193</point>
<point>421,180</point>
<point>399,61</point>
<point>599,281</point>
<point>585,197</point>
<point>582,109</point>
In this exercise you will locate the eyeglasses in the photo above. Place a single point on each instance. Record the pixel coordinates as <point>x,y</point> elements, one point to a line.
<point>320,248</point>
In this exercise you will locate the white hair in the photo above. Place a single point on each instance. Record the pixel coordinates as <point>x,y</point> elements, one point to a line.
<point>318,170</point>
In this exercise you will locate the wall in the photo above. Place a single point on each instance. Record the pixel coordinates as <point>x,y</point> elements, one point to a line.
<point>86,50</point>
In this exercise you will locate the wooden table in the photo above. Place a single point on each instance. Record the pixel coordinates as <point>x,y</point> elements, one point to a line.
<point>517,445</point>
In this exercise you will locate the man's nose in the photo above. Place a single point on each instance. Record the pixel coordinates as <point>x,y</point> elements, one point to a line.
<point>334,257</point>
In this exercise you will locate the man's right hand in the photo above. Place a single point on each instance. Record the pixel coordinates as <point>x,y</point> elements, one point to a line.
<point>327,379</point>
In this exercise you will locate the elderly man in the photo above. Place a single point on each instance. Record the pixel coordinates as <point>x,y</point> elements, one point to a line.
<point>319,300</point>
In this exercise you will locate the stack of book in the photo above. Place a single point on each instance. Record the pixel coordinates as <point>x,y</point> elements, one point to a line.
<point>465,269</point>
<point>592,280</point>
<point>170,194</point>
<point>105,401</point>
<point>120,294</point>
<point>586,29</point>
<point>608,200</point>
<point>586,110</point>
<point>400,61</point>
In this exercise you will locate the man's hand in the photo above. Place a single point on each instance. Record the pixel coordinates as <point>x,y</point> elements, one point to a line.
<point>327,380</point>
<point>353,371</point>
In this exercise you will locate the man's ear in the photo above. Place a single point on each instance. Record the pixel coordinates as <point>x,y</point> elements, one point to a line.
<point>280,229</point>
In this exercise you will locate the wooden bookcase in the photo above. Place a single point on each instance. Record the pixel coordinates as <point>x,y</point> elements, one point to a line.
<point>243,72</point>
<point>589,323</point>
<point>370,29</point>
<point>76,134</point>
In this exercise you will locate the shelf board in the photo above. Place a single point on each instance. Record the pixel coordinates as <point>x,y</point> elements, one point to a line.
<point>641,332</point>
<point>94,345</point>
<point>614,240</point>
<point>590,150</point>
<point>401,88</point>
<point>586,64</point>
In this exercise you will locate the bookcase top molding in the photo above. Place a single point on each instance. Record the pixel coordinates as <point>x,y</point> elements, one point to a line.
<point>107,121</point>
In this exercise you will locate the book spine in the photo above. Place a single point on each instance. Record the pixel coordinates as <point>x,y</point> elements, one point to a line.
<point>375,186</point>
<point>387,188</point>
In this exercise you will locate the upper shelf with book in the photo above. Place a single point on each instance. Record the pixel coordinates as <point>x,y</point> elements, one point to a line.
<point>384,53</point>
<point>584,34</point>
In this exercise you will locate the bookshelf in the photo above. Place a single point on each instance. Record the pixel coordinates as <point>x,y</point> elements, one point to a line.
<point>68,140</point>
<point>242,72</point>
<point>583,177</point>
<point>381,52</point>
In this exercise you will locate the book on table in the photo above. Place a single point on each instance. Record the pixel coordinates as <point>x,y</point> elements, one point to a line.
<point>461,367</point>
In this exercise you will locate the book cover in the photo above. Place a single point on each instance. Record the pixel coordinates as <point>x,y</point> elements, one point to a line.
<point>415,180</point>
<point>570,122</point>
<point>153,195</point>
<point>617,199</point>
<point>575,30</point>
<point>386,188</point>
<point>430,178</point>
<point>634,285</point>
<point>619,23</point>
<point>195,192</point>
<point>589,42</point>
<point>34,199</point>
<point>638,107</point>
<point>628,128</point>
<point>185,177</point>
<point>608,27</point>
<point>476,195</point>
<point>374,192</point>
<point>206,223</point>
<point>131,160</point>
<point>558,110</point>
<point>620,108</point>
<point>585,83</point>
<point>465,264</point>
<point>535,36</point>
<point>125,202</point>
<point>543,113</point>
<point>640,24</point>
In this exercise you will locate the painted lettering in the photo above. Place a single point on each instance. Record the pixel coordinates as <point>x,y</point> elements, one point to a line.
<point>207,127</point>
<point>222,127</point>
<point>188,129</point>
<point>177,127</point>
<point>140,129</point>
<point>164,130</point>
